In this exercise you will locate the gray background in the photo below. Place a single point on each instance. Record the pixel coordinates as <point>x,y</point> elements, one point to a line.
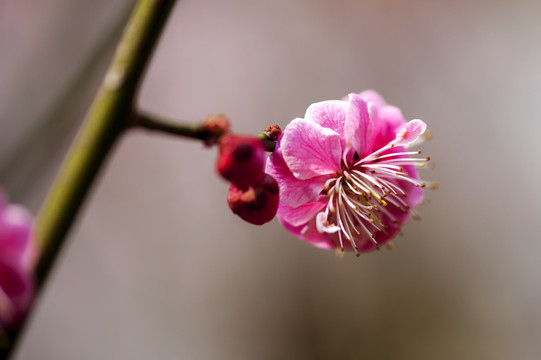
<point>158,267</point>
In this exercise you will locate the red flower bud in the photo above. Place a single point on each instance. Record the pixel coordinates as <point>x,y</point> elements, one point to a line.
<point>255,204</point>
<point>273,132</point>
<point>241,160</point>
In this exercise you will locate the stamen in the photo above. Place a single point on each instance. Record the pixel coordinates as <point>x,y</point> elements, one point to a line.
<point>358,198</point>
<point>398,154</point>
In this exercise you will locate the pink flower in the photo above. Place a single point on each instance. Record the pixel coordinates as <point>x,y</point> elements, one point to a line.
<point>16,262</point>
<point>346,178</point>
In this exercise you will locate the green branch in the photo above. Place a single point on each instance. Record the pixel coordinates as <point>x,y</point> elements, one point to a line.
<point>110,114</point>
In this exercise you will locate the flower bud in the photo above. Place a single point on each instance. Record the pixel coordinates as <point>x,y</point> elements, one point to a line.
<point>215,126</point>
<point>273,132</point>
<point>241,160</point>
<point>255,204</point>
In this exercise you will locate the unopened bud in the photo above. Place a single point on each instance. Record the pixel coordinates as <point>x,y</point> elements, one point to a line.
<point>215,126</point>
<point>255,204</point>
<point>241,160</point>
<point>273,132</point>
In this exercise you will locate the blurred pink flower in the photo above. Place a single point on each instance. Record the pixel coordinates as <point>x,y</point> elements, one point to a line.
<point>16,262</point>
<point>345,176</point>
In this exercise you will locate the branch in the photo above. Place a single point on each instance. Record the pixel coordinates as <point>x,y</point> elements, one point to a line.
<point>198,131</point>
<point>109,115</point>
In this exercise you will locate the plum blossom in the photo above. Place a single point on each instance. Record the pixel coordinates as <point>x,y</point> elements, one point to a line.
<point>16,262</point>
<point>346,177</point>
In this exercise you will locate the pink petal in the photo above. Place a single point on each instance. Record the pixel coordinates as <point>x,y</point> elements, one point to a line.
<point>374,98</point>
<point>392,117</point>
<point>386,123</point>
<point>311,150</point>
<point>17,290</point>
<point>410,132</point>
<point>293,192</point>
<point>307,232</point>
<point>357,122</point>
<point>15,230</point>
<point>330,114</point>
<point>314,237</point>
<point>415,193</point>
<point>300,215</point>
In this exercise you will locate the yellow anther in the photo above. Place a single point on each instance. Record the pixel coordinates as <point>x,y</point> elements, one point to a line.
<point>379,199</point>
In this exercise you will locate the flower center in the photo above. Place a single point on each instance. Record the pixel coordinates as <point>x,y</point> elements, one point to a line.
<point>366,196</point>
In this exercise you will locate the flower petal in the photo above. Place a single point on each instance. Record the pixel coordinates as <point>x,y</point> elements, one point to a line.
<point>16,291</point>
<point>308,231</point>
<point>314,237</point>
<point>386,121</point>
<point>357,122</point>
<point>330,114</point>
<point>15,230</point>
<point>300,215</point>
<point>310,149</point>
<point>374,98</point>
<point>410,132</point>
<point>293,192</point>
<point>415,193</point>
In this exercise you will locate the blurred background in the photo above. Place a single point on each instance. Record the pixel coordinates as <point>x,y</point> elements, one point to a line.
<point>158,267</point>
